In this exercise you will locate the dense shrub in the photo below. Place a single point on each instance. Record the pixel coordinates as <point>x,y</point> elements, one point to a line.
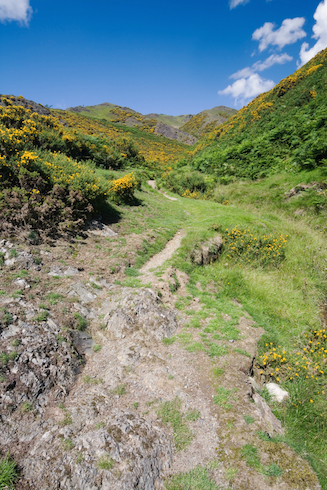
<point>248,247</point>
<point>42,189</point>
<point>122,190</point>
<point>185,179</point>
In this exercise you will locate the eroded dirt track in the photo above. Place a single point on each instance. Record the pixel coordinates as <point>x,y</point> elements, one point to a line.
<point>145,394</point>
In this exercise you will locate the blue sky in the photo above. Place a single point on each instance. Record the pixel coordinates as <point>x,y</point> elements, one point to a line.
<point>172,57</point>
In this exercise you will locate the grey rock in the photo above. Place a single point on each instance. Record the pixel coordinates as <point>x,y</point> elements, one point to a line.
<point>273,425</point>
<point>70,271</point>
<point>83,342</point>
<point>11,331</point>
<point>90,314</point>
<point>78,289</point>
<point>141,310</point>
<point>96,227</point>
<point>57,271</point>
<point>137,448</point>
<point>174,133</point>
<point>205,253</point>
<point>22,283</point>
<point>43,364</point>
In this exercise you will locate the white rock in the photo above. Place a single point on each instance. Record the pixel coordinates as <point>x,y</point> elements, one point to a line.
<point>22,283</point>
<point>276,392</point>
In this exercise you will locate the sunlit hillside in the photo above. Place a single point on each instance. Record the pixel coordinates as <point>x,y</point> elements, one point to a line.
<point>155,149</point>
<point>206,121</point>
<point>284,128</point>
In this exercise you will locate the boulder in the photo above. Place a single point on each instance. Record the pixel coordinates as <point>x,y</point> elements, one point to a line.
<point>138,310</point>
<point>273,425</point>
<point>207,252</point>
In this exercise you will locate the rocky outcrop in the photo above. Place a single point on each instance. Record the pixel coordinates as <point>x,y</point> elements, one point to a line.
<point>71,436</point>
<point>205,253</point>
<point>17,258</point>
<point>174,134</point>
<point>27,104</point>
<point>36,362</point>
<point>79,108</point>
<point>126,452</point>
<point>141,310</point>
<point>318,186</point>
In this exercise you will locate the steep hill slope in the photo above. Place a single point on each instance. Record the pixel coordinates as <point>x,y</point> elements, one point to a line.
<point>207,120</point>
<point>285,128</point>
<point>157,150</point>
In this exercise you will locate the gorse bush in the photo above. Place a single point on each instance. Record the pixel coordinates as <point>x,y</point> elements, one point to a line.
<point>122,190</point>
<point>242,245</point>
<point>280,364</point>
<point>41,185</point>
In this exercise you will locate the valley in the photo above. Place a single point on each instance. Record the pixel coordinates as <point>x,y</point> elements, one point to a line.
<point>163,301</point>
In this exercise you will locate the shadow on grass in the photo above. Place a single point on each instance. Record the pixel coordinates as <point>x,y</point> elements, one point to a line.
<point>109,213</point>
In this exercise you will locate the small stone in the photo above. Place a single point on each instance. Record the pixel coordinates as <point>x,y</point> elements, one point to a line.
<point>276,392</point>
<point>22,283</point>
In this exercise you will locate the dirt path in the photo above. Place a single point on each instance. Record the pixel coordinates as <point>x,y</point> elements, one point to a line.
<point>161,257</point>
<point>152,183</point>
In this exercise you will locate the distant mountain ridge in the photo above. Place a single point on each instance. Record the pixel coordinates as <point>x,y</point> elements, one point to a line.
<point>206,121</point>
<point>184,128</point>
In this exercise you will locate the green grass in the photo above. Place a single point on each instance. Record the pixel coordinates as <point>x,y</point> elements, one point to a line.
<point>105,463</point>
<point>92,381</point>
<point>119,390</point>
<point>54,298</point>
<point>81,323</point>
<point>8,473</point>
<point>248,419</point>
<point>223,397</point>
<point>272,470</point>
<point>170,414</point>
<point>196,479</point>
<point>68,444</point>
<point>242,352</point>
<point>250,454</point>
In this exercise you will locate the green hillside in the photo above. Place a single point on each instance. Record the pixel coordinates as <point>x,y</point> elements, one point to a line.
<point>152,123</point>
<point>207,120</point>
<point>157,151</point>
<point>174,127</point>
<point>284,129</point>
<point>281,134</point>
<point>174,121</point>
<point>118,114</point>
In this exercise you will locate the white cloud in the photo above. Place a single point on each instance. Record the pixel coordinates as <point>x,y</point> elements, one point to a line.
<point>289,32</point>
<point>247,88</point>
<point>235,3</point>
<point>274,59</point>
<point>19,10</point>
<point>319,33</point>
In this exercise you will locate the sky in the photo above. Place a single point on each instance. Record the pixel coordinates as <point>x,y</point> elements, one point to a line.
<point>170,57</point>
